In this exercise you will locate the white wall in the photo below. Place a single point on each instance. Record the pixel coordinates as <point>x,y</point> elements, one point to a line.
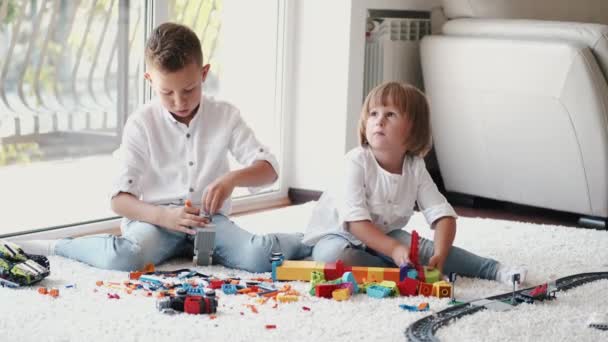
<point>328,61</point>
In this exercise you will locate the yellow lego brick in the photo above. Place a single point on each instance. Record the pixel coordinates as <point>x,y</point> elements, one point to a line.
<point>298,269</point>
<point>340,294</point>
<point>442,289</point>
<point>375,274</point>
<point>284,298</point>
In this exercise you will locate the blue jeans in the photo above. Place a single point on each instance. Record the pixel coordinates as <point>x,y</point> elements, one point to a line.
<point>142,243</point>
<point>460,261</point>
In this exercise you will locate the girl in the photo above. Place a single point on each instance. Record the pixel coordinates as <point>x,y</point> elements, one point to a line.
<point>361,222</point>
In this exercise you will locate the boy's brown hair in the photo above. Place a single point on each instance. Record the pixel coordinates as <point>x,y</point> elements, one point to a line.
<point>172,46</point>
<point>412,103</point>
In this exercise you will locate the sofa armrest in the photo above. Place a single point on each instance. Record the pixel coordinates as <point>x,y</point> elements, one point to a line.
<point>495,88</point>
<point>595,36</point>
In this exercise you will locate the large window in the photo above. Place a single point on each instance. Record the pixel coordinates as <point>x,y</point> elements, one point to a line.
<point>62,98</point>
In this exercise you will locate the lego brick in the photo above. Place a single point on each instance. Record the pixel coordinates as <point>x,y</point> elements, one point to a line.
<point>360,274</point>
<point>442,289</point>
<point>298,270</point>
<point>204,243</point>
<point>375,274</point>
<point>392,274</point>
<point>408,287</point>
<point>340,294</point>
<point>425,289</point>
<point>431,275</point>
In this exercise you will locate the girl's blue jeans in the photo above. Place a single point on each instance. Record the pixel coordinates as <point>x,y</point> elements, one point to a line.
<point>142,243</point>
<point>334,247</point>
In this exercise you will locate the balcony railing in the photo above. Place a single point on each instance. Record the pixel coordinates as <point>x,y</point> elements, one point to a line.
<point>58,72</point>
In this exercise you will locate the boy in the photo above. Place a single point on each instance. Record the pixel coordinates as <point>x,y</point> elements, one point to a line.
<point>175,149</point>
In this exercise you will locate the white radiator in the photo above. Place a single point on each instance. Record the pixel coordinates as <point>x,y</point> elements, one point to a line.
<point>392,52</point>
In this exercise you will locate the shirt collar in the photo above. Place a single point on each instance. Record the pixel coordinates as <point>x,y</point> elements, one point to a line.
<point>172,120</point>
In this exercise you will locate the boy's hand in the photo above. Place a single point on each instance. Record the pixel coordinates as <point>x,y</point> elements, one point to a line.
<point>182,219</point>
<point>437,261</point>
<point>216,193</point>
<point>400,255</point>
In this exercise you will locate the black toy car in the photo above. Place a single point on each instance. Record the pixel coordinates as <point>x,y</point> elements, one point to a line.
<point>18,268</point>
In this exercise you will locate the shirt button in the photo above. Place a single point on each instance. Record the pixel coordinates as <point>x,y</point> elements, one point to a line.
<point>390,202</point>
<point>261,150</point>
<point>191,190</point>
<point>385,223</point>
<point>188,135</point>
<point>130,181</point>
<point>181,201</point>
<point>191,163</point>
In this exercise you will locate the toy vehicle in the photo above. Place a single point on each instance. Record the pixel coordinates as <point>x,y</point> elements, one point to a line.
<point>184,302</point>
<point>18,268</point>
<point>539,293</point>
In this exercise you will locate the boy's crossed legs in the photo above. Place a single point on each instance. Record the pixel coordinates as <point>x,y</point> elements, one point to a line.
<point>143,243</point>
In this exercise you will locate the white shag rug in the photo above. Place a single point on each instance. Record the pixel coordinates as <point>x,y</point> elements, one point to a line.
<point>84,312</point>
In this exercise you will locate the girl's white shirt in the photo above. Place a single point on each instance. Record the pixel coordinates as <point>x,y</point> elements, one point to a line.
<point>368,192</point>
<point>163,161</point>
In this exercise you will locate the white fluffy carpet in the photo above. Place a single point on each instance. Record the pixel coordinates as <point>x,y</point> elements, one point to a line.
<point>82,314</point>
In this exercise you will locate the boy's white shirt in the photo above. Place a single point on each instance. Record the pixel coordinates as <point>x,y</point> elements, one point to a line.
<point>163,161</point>
<point>368,192</point>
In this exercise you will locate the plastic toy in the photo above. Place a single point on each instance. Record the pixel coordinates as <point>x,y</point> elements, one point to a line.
<point>18,268</point>
<point>183,302</point>
<point>288,270</point>
<point>204,242</point>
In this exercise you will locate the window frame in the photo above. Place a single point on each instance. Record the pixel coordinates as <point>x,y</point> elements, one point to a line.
<point>157,11</point>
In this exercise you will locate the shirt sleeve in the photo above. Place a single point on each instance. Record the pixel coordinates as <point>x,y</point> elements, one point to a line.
<point>246,149</point>
<point>353,206</point>
<point>430,201</point>
<point>131,161</point>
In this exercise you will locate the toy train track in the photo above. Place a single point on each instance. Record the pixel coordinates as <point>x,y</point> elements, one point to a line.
<point>424,329</point>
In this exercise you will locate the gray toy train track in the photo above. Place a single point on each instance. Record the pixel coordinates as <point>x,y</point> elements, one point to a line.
<point>424,329</point>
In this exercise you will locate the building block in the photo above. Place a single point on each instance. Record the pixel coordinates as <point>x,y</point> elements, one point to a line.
<point>285,298</point>
<point>204,243</point>
<point>425,289</point>
<point>334,270</point>
<point>349,278</point>
<point>392,274</point>
<point>375,274</point>
<point>377,291</point>
<point>442,289</point>
<point>341,294</point>
<point>360,274</point>
<point>325,290</point>
<point>412,273</point>
<point>408,287</point>
<point>298,270</point>
<point>431,275</point>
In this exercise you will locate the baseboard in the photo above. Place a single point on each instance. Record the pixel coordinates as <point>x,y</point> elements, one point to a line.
<point>299,196</point>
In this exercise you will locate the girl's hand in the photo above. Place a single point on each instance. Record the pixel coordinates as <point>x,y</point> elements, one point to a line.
<point>182,219</point>
<point>400,255</point>
<point>216,193</point>
<point>437,261</point>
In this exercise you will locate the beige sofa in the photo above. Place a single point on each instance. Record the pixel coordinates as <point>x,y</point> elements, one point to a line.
<point>520,101</point>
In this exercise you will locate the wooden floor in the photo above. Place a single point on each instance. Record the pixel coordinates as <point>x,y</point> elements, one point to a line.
<point>513,212</point>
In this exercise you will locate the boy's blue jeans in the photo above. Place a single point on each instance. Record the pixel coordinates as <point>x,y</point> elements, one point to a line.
<point>142,243</point>
<point>334,247</point>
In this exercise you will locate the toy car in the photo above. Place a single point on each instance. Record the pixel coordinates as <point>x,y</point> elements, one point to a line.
<point>184,302</point>
<point>18,268</point>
